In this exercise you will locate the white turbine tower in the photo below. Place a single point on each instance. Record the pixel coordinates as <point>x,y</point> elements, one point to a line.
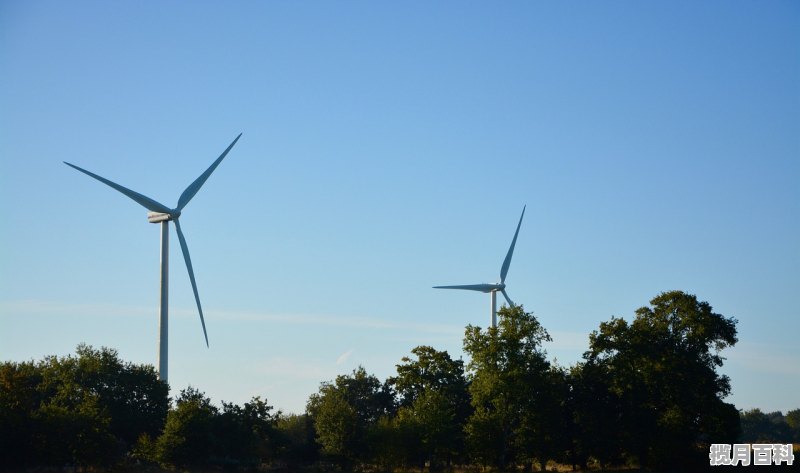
<point>160,213</point>
<point>493,288</point>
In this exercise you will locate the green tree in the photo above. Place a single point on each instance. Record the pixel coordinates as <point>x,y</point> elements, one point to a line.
<point>296,445</point>
<point>86,410</point>
<point>337,425</point>
<point>244,435</point>
<point>662,370</point>
<point>593,416</point>
<point>344,412</point>
<point>395,443</point>
<point>19,401</point>
<point>511,384</point>
<point>793,421</point>
<point>760,427</point>
<point>434,403</point>
<point>188,436</point>
<point>549,435</point>
<point>75,432</point>
<point>435,420</point>
<point>432,370</point>
<point>132,395</point>
<point>73,425</point>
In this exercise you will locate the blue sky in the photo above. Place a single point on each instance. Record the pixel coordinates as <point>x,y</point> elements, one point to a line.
<point>388,148</point>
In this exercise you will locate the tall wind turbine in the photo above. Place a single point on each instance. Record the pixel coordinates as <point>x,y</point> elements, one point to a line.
<point>160,213</point>
<point>493,288</point>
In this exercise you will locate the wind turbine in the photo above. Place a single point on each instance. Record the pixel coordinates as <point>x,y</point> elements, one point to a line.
<point>493,288</point>
<point>160,213</point>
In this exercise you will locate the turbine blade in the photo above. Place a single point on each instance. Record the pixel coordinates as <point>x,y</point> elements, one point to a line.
<point>471,287</point>
<point>507,261</point>
<point>198,183</point>
<point>510,304</point>
<point>188,260</point>
<point>142,200</point>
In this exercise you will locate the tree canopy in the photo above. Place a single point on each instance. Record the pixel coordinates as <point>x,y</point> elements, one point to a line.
<point>661,371</point>
<point>512,386</point>
<point>346,411</point>
<point>87,409</point>
<point>434,406</point>
<point>647,393</point>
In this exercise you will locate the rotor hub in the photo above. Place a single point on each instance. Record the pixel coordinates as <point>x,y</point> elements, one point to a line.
<point>158,217</point>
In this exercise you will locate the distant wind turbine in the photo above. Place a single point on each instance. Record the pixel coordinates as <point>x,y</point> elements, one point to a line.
<point>493,288</point>
<point>160,213</point>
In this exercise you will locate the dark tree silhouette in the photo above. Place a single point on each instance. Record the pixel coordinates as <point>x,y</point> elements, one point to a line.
<point>662,370</point>
<point>646,393</point>
<point>188,436</point>
<point>83,410</point>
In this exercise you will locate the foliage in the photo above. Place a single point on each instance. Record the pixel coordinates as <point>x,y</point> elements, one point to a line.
<point>198,433</point>
<point>770,427</point>
<point>647,393</point>
<point>513,392</point>
<point>135,400</point>
<point>434,406</point>
<point>84,410</point>
<point>593,412</point>
<point>661,370</point>
<point>19,404</point>
<point>94,410</point>
<point>792,419</point>
<point>295,440</point>
<point>432,370</point>
<point>394,443</point>
<point>345,411</point>
<point>188,433</point>
<point>244,435</point>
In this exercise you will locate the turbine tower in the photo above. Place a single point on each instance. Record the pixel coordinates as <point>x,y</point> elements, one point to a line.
<point>493,288</point>
<point>160,213</point>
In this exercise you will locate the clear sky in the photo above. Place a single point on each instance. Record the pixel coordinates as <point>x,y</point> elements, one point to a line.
<point>387,148</point>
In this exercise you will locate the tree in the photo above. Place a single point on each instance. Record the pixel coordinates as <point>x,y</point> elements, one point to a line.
<point>515,411</point>
<point>793,421</point>
<point>337,426</point>
<point>432,370</point>
<point>437,432</point>
<point>593,416</point>
<point>662,371</point>
<point>75,431</point>
<point>86,410</point>
<point>296,443</point>
<point>434,403</point>
<point>244,435</point>
<point>394,443</point>
<point>760,427</point>
<point>19,400</point>
<point>344,412</point>
<point>188,435</point>
<point>132,395</point>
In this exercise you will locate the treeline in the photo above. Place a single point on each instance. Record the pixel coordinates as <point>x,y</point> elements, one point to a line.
<point>83,410</point>
<point>770,427</point>
<point>647,393</point>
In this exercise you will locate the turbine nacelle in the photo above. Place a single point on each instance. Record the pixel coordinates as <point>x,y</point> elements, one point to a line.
<point>158,217</point>
<point>487,288</point>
